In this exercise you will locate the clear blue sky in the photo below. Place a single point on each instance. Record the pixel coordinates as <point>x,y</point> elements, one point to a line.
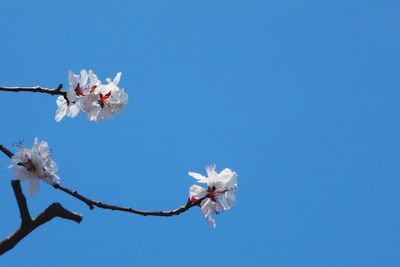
<point>301,98</point>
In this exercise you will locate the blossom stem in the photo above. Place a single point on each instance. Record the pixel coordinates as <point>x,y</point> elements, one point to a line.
<point>93,203</point>
<point>36,89</point>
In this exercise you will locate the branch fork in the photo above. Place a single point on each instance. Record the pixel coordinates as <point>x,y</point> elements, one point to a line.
<point>28,224</point>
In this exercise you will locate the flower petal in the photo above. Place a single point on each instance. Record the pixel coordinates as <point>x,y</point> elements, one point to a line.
<point>117,78</point>
<point>207,209</point>
<point>60,113</point>
<point>200,178</point>
<point>73,110</point>
<point>210,170</point>
<point>84,78</point>
<point>197,192</point>
<point>33,187</point>
<point>227,180</point>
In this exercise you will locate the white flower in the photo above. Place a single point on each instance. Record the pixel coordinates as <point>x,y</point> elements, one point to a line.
<point>77,87</point>
<point>87,93</point>
<point>105,101</point>
<point>219,196</point>
<point>71,109</point>
<point>35,164</point>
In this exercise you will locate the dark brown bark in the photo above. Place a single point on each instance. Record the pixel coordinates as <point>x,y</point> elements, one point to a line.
<point>36,89</point>
<point>28,224</point>
<point>93,203</point>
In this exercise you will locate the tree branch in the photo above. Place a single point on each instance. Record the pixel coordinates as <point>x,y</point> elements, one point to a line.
<point>27,224</point>
<point>36,89</point>
<point>21,200</point>
<point>7,152</point>
<point>94,203</point>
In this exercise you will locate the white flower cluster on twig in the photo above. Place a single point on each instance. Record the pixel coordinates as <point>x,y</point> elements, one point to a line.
<point>35,164</point>
<point>220,191</point>
<point>88,94</point>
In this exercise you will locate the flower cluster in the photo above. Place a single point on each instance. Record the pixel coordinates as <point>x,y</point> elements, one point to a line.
<point>219,196</point>
<point>87,93</point>
<point>35,164</point>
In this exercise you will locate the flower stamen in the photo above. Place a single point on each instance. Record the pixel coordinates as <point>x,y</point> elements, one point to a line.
<point>103,100</point>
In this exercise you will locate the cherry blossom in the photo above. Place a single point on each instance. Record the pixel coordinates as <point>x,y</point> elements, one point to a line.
<point>66,108</point>
<point>105,101</point>
<point>77,87</point>
<point>87,93</point>
<point>219,194</point>
<point>35,164</point>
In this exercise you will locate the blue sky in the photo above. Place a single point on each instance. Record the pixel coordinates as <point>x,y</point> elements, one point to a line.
<point>299,97</point>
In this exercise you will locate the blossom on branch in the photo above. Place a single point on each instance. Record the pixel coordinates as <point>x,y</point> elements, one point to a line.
<point>35,164</point>
<point>105,100</point>
<point>77,86</point>
<point>87,93</point>
<point>219,194</point>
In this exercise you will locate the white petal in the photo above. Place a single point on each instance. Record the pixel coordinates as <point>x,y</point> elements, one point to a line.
<point>226,201</point>
<point>21,173</point>
<point>230,198</point>
<point>207,209</point>
<point>84,78</point>
<point>73,79</point>
<point>52,179</point>
<point>51,166</point>
<point>33,187</point>
<point>35,146</point>
<point>93,80</point>
<point>123,97</point>
<point>200,178</point>
<point>61,112</point>
<point>226,180</point>
<point>73,110</point>
<point>71,95</point>
<point>61,101</point>
<point>43,150</point>
<point>197,192</point>
<point>70,77</point>
<point>117,78</point>
<point>210,170</point>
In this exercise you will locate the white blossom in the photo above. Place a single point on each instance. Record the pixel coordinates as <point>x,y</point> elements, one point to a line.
<point>106,100</point>
<point>219,196</point>
<point>35,164</point>
<point>78,85</point>
<point>66,108</point>
<point>87,93</point>
<point>69,105</point>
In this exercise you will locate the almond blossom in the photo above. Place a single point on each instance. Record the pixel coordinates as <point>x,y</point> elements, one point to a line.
<point>106,100</point>
<point>77,86</point>
<point>87,93</point>
<point>35,164</point>
<point>219,196</point>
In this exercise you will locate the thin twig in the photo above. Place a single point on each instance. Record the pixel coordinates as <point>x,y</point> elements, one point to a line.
<point>27,224</point>
<point>7,152</point>
<point>36,89</point>
<point>94,203</point>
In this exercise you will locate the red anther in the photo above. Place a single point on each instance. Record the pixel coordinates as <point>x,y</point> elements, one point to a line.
<point>103,98</point>
<point>78,90</point>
